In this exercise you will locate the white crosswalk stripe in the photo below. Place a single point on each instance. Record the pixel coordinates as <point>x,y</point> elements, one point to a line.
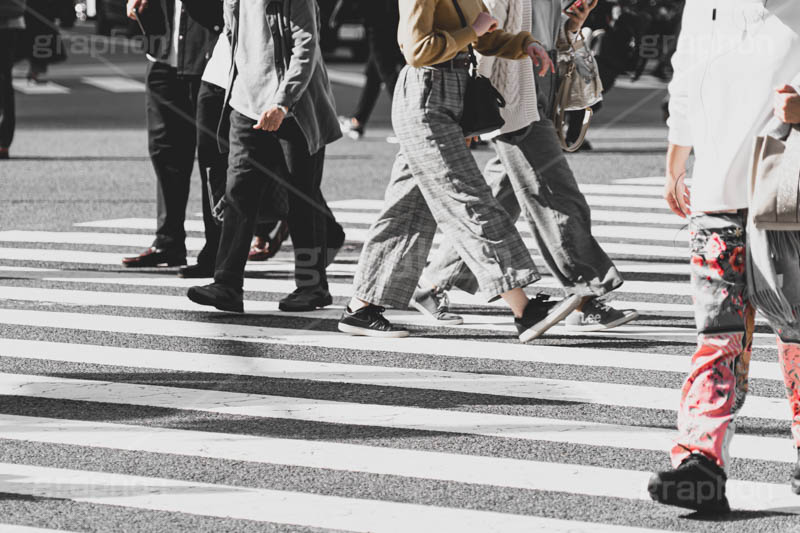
<point>430,433</point>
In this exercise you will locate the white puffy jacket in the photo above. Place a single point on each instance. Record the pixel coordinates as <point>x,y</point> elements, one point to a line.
<point>731,56</point>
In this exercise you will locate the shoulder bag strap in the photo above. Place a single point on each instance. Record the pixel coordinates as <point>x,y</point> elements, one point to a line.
<point>472,59</point>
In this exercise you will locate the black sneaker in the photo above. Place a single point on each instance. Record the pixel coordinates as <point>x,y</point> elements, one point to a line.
<point>698,483</point>
<point>796,475</point>
<point>434,304</point>
<point>369,321</point>
<point>305,299</point>
<point>542,313</point>
<point>596,315</point>
<point>223,297</point>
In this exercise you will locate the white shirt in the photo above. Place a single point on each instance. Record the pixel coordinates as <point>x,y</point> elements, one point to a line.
<point>731,55</point>
<point>219,66</point>
<point>172,58</point>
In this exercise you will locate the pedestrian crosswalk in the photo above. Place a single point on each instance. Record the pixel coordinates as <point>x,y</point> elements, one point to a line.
<point>120,398</point>
<point>111,84</point>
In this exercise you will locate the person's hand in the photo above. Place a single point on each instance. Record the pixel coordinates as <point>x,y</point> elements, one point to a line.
<point>485,23</point>
<point>676,193</point>
<point>578,14</point>
<point>471,140</point>
<point>787,104</point>
<point>541,59</point>
<point>133,6</point>
<point>270,120</point>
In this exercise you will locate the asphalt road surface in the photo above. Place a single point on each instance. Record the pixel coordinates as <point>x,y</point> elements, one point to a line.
<point>125,407</point>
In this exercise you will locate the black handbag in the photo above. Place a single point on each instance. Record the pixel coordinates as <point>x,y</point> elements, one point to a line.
<point>482,102</point>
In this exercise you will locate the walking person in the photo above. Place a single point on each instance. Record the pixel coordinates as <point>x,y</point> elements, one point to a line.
<point>42,44</point>
<point>187,33</point>
<point>754,48</point>
<point>381,18</point>
<point>435,180</point>
<point>282,118</point>
<point>12,24</point>
<point>213,128</point>
<point>530,174</point>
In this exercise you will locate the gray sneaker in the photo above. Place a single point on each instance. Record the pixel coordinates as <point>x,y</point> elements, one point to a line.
<point>434,304</point>
<point>596,315</point>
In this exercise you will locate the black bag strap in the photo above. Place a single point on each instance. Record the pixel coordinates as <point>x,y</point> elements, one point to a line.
<point>472,59</point>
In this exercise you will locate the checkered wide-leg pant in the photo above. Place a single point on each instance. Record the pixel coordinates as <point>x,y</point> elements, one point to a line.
<point>436,182</point>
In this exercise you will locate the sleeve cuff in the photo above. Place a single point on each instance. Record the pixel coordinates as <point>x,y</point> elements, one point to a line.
<point>679,134</point>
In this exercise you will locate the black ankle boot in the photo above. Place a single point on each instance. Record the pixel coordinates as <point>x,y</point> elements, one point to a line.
<point>698,483</point>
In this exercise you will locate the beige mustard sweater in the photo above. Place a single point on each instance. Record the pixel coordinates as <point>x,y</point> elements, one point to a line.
<point>431,32</point>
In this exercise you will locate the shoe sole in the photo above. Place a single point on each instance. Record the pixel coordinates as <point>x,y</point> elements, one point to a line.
<point>304,308</point>
<point>365,332</point>
<point>202,300</point>
<point>602,327</point>
<point>183,276</point>
<point>557,315</point>
<point>419,307</point>
<point>157,265</point>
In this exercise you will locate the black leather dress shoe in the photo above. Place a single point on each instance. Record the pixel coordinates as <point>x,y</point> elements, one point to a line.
<point>153,257</point>
<point>196,271</point>
<point>305,299</point>
<point>223,297</point>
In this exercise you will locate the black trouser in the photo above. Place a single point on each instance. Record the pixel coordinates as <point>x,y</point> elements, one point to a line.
<point>383,66</point>
<point>284,154</point>
<point>172,138</point>
<point>212,157</point>
<point>8,118</point>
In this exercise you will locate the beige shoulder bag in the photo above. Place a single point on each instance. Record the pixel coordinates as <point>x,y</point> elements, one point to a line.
<point>775,180</point>
<point>579,88</point>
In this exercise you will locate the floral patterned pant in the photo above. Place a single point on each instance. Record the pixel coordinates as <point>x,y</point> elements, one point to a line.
<point>717,385</point>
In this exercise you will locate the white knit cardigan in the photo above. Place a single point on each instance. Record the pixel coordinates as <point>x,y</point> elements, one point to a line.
<point>514,79</point>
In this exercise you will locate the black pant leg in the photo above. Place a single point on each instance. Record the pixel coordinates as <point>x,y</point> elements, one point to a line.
<point>369,93</point>
<point>334,231</point>
<point>172,138</point>
<point>254,162</point>
<point>307,211</point>
<point>212,157</point>
<point>8,117</point>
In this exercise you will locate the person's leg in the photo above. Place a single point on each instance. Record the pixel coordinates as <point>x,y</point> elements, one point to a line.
<point>398,242</point>
<point>255,163</point>
<point>7,106</point>
<point>717,384</point>
<point>307,219</point>
<point>789,358</point>
<point>212,157</point>
<point>369,94</point>
<point>454,191</point>
<point>446,270</point>
<point>556,209</point>
<point>171,116</point>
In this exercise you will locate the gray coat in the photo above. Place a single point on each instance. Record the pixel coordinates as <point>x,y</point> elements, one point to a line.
<point>278,60</point>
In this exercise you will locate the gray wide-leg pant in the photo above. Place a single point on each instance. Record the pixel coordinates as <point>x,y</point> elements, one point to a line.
<point>436,182</point>
<point>531,175</point>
